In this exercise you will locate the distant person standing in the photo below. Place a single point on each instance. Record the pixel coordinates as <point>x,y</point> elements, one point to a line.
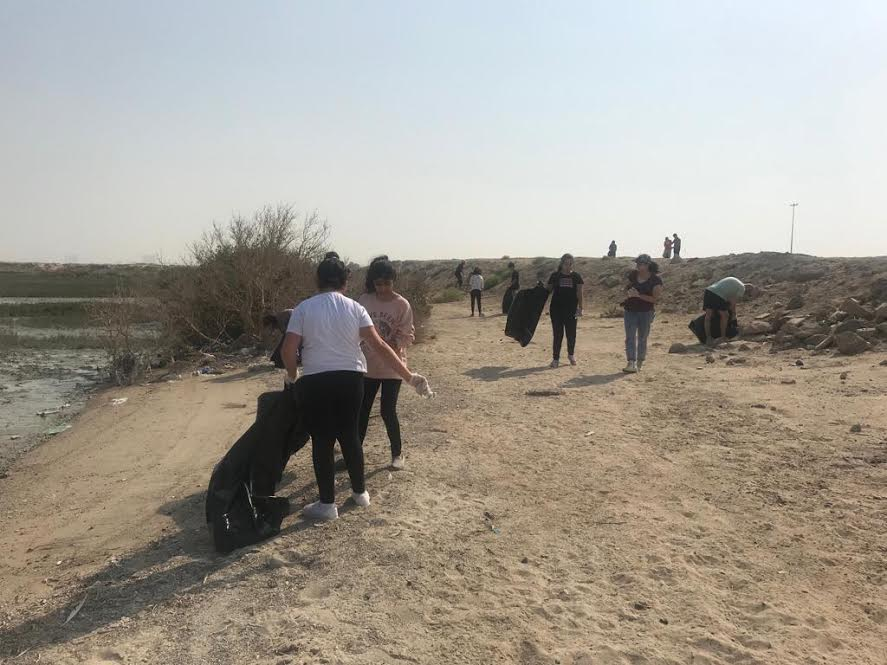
<point>565,308</point>
<point>676,246</point>
<point>666,252</point>
<point>515,277</point>
<point>644,289</point>
<point>476,285</point>
<point>612,251</point>
<point>719,303</point>
<point>459,270</point>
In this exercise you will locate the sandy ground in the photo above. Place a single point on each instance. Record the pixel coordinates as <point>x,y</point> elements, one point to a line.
<point>695,513</point>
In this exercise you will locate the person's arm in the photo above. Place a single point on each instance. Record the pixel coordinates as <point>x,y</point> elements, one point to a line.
<point>657,292</point>
<point>290,354</point>
<point>406,330</point>
<point>580,297</point>
<point>371,338</point>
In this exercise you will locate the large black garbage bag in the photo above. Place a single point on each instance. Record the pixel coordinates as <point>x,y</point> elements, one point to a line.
<point>525,312</point>
<point>508,299</point>
<point>697,325</point>
<point>241,508</point>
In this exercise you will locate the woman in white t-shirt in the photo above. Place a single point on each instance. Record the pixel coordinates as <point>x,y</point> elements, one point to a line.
<point>329,328</point>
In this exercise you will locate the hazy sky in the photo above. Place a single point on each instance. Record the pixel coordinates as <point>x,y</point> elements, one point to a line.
<point>443,129</point>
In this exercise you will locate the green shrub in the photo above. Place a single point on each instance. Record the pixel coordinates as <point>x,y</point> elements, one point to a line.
<point>449,294</point>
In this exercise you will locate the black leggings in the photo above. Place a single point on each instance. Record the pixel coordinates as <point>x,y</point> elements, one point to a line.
<point>475,296</point>
<point>332,403</point>
<point>390,393</point>
<point>563,322</point>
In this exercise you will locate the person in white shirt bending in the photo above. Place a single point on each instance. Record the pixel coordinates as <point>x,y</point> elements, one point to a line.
<point>476,284</point>
<point>329,328</point>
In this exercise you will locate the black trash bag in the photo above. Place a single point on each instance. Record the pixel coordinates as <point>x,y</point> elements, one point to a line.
<point>697,325</point>
<point>525,312</point>
<point>241,508</point>
<point>508,299</point>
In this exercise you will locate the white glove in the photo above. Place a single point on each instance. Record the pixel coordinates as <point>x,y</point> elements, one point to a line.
<point>420,383</point>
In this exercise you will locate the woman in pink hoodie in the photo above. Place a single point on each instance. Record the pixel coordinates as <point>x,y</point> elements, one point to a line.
<point>393,319</point>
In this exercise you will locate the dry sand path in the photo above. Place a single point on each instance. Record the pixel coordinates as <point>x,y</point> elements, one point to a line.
<point>695,513</point>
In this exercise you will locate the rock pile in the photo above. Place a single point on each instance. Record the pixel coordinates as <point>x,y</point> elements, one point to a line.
<point>851,328</point>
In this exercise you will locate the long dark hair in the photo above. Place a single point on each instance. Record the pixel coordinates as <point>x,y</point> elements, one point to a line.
<point>564,259</point>
<point>380,268</point>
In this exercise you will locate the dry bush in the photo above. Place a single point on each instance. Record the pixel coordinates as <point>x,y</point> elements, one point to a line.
<point>238,273</point>
<point>415,287</point>
<point>116,318</point>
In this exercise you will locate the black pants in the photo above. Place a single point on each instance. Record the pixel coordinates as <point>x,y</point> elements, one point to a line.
<point>563,322</point>
<point>475,297</point>
<point>390,393</point>
<point>332,402</point>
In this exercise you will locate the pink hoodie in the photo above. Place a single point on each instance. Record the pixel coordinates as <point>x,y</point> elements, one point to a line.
<point>394,322</point>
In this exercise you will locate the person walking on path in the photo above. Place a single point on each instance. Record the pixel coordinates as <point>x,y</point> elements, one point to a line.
<point>666,253</point>
<point>676,246</point>
<point>612,249</point>
<point>393,319</point>
<point>329,328</point>
<point>459,270</point>
<point>719,302</point>
<point>476,285</point>
<point>566,305</point>
<point>644,290</point>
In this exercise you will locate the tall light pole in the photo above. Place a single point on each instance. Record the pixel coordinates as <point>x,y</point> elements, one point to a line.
<point>791,247</point>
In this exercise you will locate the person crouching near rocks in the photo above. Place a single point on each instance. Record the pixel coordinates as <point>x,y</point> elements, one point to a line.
<point>393,318</point>
<point>719,304</point>
<point>330,328</point>
<point>644,290</point>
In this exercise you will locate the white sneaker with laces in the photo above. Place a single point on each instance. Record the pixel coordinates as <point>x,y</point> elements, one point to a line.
<point>362,499</point>
<point>397,462</point>
<point>321,511</point>
<point>631,367</point>
<point>640,363</point>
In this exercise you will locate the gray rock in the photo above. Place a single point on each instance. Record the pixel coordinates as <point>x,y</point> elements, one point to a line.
<point>881,312</point>
<point>856,429</point>
<point>737,361</point>
<point>795,302</point>
<point>849,324</point>
<point>854,309</point>
<point>838,316</point>
<point>850,344</point>
<point>677,347</point>
<point>757,327</point>
<point>868,334</point>
<point>882,328</point>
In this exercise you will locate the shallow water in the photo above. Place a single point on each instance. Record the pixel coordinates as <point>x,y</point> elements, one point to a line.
<point>55,383</point>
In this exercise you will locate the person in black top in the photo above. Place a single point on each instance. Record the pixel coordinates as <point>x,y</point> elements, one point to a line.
<point>459,269</point>
<point>515,277</point>
<point>612,249</point>
<point>643,290</point>
<point>676,246</point>
<point>566,306</point>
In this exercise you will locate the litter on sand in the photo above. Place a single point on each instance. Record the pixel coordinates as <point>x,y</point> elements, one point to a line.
<point>75,611</point>
<point>58,430</point>
<point>117,401</point>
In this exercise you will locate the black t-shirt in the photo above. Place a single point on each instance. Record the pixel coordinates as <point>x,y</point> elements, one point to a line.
<point>515,280</point>
<point>645,288</point>
<point>565,291</point>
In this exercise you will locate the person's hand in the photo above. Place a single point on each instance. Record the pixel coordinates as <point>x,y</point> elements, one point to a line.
<point>421,386</point>
<point>633,293</point>
<point>579,313</point>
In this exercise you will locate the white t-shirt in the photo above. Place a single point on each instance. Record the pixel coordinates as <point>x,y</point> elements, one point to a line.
<point>476,282</point>
<point>330,324</point>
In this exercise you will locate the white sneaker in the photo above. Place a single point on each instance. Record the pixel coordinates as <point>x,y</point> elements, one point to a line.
<point>321,511</point>
<point>397,462</point>
<point>573,360</point>
<point>640,363</point>
<point>554,364</point>
<point>631,367</point>
<point>362,499</point>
